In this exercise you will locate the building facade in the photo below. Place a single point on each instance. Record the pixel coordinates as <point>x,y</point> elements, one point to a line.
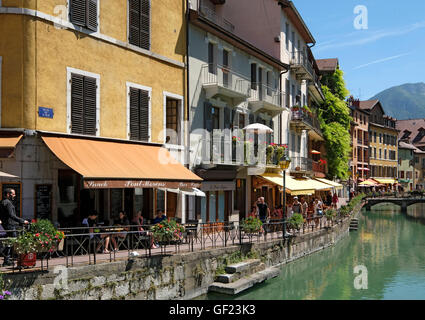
<point>104,71</point>
<point>383,148</point>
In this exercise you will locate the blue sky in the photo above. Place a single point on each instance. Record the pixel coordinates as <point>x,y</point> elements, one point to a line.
<point>389,53</point>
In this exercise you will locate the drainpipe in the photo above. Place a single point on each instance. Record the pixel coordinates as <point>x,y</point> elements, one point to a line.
<point>187,148</point>
<point>281,119</point>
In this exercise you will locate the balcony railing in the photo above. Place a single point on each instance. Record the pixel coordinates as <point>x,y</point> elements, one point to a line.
<point>223,80</point>
<point>299,61</point>
<point>319,167</point>
<point>220,148</point>
<point>266,98</point>
<point>301,164</point>
<point>212,16</point>
<point>302,115</point>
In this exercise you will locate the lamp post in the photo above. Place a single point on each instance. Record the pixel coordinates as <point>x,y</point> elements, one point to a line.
<point>284,163</point>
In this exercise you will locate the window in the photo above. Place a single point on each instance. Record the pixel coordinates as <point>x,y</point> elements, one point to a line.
<point>139,23</point>
<point>380,154</point>
<point>287,93</point>
<point>83,111</point>
<point>254,76</point>
<point>84,13</point>
<point>173,121</point>
<point>385,154</point>
<point>287,36</point>
<point>241,121</point>
<point>212,68</point>
<point>138,113</point>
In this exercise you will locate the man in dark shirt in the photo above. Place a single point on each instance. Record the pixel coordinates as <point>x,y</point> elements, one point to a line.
<point>9,221</point>
<point>160,216</point>
<point>263,211</point>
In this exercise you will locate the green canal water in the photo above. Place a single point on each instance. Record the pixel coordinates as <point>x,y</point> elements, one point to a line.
<point>388,243</point>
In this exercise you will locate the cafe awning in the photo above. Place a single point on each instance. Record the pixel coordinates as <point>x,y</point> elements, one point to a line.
<point>8,145</point>
<point>7,175</point>
<point>297,187</point>
<point>386,181</point>
<point>336,185</point>
<point>108,164</point>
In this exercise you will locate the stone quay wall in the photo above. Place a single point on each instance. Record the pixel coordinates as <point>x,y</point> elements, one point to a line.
<point>179,276</point>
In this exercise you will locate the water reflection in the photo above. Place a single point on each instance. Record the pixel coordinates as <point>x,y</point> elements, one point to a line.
<point>388,243</point>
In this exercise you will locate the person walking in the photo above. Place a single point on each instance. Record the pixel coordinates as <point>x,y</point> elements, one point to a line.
<point>263,211</point>
<point>335,201</point>
<point>10,222</point>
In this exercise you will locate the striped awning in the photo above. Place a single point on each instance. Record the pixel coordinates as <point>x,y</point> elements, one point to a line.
<point>334,184</point>
<point>386,181</point>
<point>297,187</point>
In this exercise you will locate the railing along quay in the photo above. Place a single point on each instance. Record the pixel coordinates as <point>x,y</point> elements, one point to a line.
<point>80,246</point>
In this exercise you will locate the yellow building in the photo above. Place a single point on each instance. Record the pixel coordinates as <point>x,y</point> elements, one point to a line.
<point>383,148</point>
<point>100,71</point>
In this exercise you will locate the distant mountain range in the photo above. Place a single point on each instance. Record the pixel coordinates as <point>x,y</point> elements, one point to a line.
<point>404,102</point>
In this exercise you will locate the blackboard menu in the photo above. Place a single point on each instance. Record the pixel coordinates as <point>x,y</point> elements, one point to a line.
<point>43,201</point>
<point>18,201</point>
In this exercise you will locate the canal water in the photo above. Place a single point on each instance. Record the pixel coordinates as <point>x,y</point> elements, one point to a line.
<point>389,244</point>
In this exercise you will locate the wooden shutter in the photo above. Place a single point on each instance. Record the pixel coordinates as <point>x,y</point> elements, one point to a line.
<point>77,104</point>
<point>139,115</point>
<point>145,24</point>
<point>90,89</point>
<point>78,12</point>
<point>91,15</point>
<point>208,124</point>
<point>253,76</point>
<point>139,23</point>
<point>227,122</point>
<point>251,118</point>
<point>83,105</point>
<point>144,115</point>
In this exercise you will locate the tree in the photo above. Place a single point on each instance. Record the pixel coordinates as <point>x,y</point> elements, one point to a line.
<point>334,117</point>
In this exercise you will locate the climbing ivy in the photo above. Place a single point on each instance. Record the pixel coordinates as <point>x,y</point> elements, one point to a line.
<point>334,117</point>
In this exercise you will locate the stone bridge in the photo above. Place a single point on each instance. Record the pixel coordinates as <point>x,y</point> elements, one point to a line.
<point>401,202</point>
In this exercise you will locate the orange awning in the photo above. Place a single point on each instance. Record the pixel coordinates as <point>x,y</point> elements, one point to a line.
<point>106,164</point>
<point>8,145</point>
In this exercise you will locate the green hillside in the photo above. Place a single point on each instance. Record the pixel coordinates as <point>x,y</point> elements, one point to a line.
<point>404,102</point>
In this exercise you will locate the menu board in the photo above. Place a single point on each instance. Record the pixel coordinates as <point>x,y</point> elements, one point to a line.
<point>18,199</point>
<point>43,201</point>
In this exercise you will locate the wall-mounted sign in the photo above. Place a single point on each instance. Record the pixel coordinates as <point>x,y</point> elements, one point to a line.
<point>45,112</point>
<point>130,184</point>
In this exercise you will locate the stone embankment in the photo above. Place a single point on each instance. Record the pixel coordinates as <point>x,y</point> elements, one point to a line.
<point>180,276</point>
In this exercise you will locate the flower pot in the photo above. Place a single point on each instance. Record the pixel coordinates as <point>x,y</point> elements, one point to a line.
<point>27,259</point>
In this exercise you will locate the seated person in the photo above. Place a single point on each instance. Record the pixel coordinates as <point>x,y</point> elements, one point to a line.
<point>160,216</point>
<point>253,212</point>
<point>91,223</point>
<point>123,222</point>
<point>138,221</point>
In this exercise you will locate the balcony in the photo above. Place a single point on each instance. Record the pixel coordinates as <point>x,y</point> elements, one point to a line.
<point>303,119</point>
<point>222,149</point>
<point>301,165</point>
<point>213,17</point>
<point>223,81</point>
<point>319,167</point>
<point>266,99</point>
<point>302,67</point>
<point>315,88</point>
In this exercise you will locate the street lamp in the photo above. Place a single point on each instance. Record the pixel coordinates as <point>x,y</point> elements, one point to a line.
<point>284,163</point>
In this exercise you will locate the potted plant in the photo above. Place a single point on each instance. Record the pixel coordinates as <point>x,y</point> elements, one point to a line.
<point>41,236</point>
<point>296,221</point>
<point>252,225</point>
<point>270,152</point>
<point>168,231</point>
<point>4,294</point>
<point>330,214</point>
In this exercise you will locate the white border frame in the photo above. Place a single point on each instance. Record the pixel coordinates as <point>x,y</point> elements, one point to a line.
<point>68,13</point>
<point>144,88</point>
<point>181,113</point>
<point>69,72</point>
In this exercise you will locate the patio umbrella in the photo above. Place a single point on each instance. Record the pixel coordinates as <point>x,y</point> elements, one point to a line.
<point>258,127</point>
<point>7,175</point>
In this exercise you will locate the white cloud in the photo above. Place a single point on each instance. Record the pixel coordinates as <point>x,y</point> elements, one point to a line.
<point>381,60</point>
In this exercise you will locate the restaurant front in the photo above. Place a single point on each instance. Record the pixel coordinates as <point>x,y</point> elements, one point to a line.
<point>65,177</point>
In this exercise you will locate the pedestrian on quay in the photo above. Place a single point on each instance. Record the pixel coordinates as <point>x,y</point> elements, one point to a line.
<point>10,222</point>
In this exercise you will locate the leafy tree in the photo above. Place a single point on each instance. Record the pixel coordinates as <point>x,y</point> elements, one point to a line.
<point>334,117</point>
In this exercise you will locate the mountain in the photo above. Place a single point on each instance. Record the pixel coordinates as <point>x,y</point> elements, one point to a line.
<point>404,102</point>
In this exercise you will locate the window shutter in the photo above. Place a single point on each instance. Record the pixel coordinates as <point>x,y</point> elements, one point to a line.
<point>78,12</point>
<point>134,22</point>
<point>208,125</point>
<point>139,23</point>
<point>144,115</point>
<point>145,24</point>
<point>227,122</point>
<point>251,118</point>
<point>91,15</point>
<point>77,104</point>
<point>134,114</point>
<point>90,88</point>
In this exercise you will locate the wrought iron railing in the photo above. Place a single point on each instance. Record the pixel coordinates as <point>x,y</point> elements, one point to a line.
<point>262,92</point>
<point>299,58</point>
<point>301,164</point>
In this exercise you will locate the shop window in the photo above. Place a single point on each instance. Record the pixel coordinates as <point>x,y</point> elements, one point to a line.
<point>68,213</point>
<point>160,200</point>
